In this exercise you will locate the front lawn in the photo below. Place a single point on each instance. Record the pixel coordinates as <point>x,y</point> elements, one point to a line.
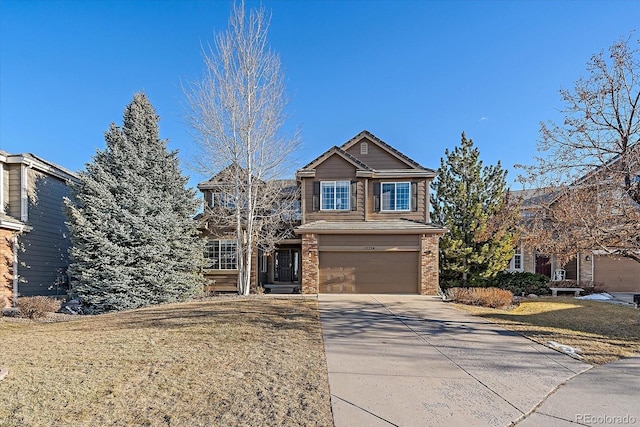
<point>602,331</point>
<point>234,361</point>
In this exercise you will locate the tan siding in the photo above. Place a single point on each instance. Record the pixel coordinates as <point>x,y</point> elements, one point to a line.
<point>221,281</point>
<point>419,215</point>
<point>377,158</point>
<point>310,215</point>
<point>5,187</point>
<point>14,191</point>
<point>368,240</point>
<point>618,274</point>
<point>335,168</point>
<point>586,267</point>
<point>528,260</point>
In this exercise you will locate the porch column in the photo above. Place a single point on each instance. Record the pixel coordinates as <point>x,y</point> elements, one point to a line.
<point>429,277</point>
<point>310,264</point>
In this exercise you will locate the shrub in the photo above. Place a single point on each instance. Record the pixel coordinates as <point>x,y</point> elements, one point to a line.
<point>519,282</point>
<point>486,297</point>
<point>36,307</point>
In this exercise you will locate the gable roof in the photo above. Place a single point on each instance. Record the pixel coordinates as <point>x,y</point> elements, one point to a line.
<point>390,226</point>
<point>219,178</point>
<point>339,151</point>
<point>414,168</point>
<point>383,145</point>
<point>40,164</point>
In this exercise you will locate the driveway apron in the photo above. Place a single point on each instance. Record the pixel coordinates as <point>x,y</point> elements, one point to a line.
<point>416,361</point>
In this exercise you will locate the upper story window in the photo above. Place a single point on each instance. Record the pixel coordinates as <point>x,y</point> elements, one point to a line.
<point>334,195</point>
<point>396,196</point>
<point>222,200</point>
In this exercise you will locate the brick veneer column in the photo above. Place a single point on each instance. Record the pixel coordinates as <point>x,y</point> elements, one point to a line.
<point>6,268</point>
<point>310,264</point>
<point>429,276</point>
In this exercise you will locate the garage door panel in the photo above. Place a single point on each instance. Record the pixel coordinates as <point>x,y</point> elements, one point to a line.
<point>618,274</point>
<point>369,272</point>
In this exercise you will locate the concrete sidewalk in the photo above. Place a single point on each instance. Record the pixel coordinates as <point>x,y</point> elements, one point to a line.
<point>416,361</point>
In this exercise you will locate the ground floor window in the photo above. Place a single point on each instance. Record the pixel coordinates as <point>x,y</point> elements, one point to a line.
<point>516,262</point>
<point>221,255</point>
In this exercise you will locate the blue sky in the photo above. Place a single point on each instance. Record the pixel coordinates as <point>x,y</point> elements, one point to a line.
<point>415,73</point>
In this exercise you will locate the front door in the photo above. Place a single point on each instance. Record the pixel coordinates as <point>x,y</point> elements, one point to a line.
<point>287,265</point>
<point>543,265</point>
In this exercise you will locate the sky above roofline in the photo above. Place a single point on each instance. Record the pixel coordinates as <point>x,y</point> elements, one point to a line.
<point>414,73</point>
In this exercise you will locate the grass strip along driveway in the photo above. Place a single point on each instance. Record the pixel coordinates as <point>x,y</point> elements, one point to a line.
<point>603,331</point>
<point>228,361</point>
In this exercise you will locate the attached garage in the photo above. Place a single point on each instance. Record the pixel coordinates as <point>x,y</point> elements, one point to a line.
<point>369,264</point>
<point>369,272</point>
<point>618,274</point>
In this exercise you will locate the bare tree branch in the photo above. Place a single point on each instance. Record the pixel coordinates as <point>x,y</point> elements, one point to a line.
<point>589,170</point>
<point>237,111</point>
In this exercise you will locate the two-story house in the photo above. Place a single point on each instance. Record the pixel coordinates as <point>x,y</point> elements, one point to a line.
<point>597,264</point>
<point>34,239</point>
<point>364,227</point>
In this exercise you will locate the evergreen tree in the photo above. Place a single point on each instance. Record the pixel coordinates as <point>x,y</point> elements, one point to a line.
<point>472,202</point>
<point>135,242</point>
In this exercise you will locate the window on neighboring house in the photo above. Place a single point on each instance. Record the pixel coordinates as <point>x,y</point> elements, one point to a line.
<point>396,196</point>
<point>516,262</point>
<point>334,195</point>
<point>221,255</point>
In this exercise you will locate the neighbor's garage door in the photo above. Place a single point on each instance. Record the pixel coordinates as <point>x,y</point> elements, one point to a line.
<point>369,272</point>
<point>618,274</point>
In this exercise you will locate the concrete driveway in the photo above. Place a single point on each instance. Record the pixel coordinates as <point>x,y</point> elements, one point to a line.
<point>416,361</point>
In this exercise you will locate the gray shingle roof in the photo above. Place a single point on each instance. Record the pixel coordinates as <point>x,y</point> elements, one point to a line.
<point>393,226</point>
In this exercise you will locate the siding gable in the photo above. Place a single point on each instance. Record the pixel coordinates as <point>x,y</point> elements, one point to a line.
<point>376,157</point>
<point>336,168</point>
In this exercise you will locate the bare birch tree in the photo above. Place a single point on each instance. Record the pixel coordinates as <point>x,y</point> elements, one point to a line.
<point>238,113</point>
<point>590,166</point>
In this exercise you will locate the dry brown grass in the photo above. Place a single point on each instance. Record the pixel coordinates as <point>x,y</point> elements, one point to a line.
<point>257,361</point>
<point>602,331</point>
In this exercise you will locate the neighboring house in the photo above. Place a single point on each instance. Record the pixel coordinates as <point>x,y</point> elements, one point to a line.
<point>35,239</point>
<point>618,274</point>
<point>364,227</point>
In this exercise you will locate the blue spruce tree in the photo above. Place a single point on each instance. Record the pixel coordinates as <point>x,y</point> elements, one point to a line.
<point>135,241</point>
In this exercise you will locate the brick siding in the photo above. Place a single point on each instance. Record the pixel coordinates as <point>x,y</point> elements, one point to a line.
<point>429,276</point>
<point>310,264</point>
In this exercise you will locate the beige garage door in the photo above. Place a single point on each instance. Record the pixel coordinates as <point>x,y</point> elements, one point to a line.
<point>369,272</point>
<point>618,274</point>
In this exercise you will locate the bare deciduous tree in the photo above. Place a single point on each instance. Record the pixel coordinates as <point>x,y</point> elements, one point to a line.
<point>238,111</point>
<point>590,166</point>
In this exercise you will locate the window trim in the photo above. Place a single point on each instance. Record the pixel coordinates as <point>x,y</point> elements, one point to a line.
<point>219,264</point>
<point>512,262</point>
<point>334,185</point>
<point>395,192</point>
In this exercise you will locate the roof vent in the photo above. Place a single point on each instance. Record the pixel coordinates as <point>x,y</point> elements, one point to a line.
<point>364,148</point>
